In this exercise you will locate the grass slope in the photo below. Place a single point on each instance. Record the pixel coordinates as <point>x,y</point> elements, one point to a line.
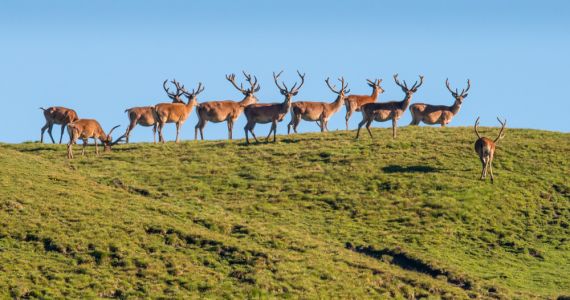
<point>313,216</point>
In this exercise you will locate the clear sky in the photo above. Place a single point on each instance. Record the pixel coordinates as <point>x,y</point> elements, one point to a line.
<point>101,57</point>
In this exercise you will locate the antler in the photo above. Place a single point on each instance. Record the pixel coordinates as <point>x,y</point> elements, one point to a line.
<point>232,78</point>
<point>454,94</point>
<point>501,135</point>
<point>276,78</point>
<point>166,89</point>
<point>464,91</point>
<point>404,86</point>
<point>179,89</point>
<point>254,86</point>
<point>196,91</point>
<point>414,87</point>
<point>342,85</point>
<point>296,90</point>
<point>111,131</point>
<point>477,127</point>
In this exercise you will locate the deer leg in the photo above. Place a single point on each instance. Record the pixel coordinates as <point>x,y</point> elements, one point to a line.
<point>394,126</point>
<point>70,150</point>
<point>246,129</point>
<point>253,133</point>
<point>296,124</point>
<point>96,146</point>
<point>230,129</point>
<point>270,130</point>
<point>196,128</point>
<point>178,124</point>
<point>131,126</point>
<point>491,168</point>
<point>368,123</point>
<point>360,126</point>
<point>61,135</point>
<point>347,118</point>
<point>46,126</point>
<point>160,136</point>
<point>153,134</point>
<point>274,131</point>
<point>84,145</point>
<point>202,129</point>
<point>49,132</point>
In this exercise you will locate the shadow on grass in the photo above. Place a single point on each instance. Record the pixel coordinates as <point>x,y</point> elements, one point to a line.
<point>37,149</point>
<point>409,169</point>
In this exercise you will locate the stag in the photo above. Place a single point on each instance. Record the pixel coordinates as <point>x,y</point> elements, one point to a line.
<point>271,112</point>
<point>144,115</point>
<point>226,110</point>
<point>318,111</point>
<point>176,112</point>
<point>57,115</point>
<point>88,128</point>
<point>354,102</point>
<point>485,148</point>
<point>438,114</point>
<point>385,111</point>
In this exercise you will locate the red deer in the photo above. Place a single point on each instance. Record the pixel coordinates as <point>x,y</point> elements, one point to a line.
<point>385,111</point>
<point>354,102</point>
<point>317,111</point>
<point>273,113</point>
<point>485,148</point>
<point>226,110</point>
<point>87,128</point>
<point>144,115</point>
<point>57,115</point>
<point>176,112</point>
<point>438,114</point>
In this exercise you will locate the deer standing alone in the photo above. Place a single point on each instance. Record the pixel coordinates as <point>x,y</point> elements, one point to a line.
<point>57,115</point>
<point>439,114</point>
<point>144,115</point>
<point>89,128</point>
<point>176,112</point>
<point>354,102</point>
<point>226,110</point>
<point>485,148</point>
<point>317,111</point>
<point>271,113</point>
<point>385,111</point>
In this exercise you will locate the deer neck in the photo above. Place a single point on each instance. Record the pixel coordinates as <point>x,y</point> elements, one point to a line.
<point>375,93</point>
<point>248,100</point>
<point>286,105</point>
<point>455,107</point>
<point>337,104</point>
<point>406,102</point>
<point>191,103</point>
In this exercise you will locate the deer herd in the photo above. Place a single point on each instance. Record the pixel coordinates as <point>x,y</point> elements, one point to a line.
<point>178,111</point>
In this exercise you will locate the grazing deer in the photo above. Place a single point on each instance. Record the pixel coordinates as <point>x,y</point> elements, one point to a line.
<point>271,113</point>
<point>354,102</point>
<point>144,115</point>
<point>438,114</point>
<point>88,128</point>
<point>485,148</point>
<point>176,112</point>
<point>226,110</point>
<point>385,111</point>
<point>317,111</point>
<point>57,115</point>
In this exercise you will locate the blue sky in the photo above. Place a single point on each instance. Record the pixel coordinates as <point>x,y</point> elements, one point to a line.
<point>101,57</point>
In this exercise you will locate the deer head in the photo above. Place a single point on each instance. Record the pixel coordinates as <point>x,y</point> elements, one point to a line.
<point>288,93</point>
<point>343,88</point>
<point>458,96</point>
<point>108,140</point>
<point>375,85</point>
<point>179,91</point>
<point>404,87</point>
<point>254,86</point>
<point>193,96</point>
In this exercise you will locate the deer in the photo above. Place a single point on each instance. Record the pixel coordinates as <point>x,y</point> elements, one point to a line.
<point>354,102</point>
<point>226,110</point>
<point>271,112</point>
<point>89,128</point>
<point>439,114</point>
<point>485,148</point>
<point>57,115</point>
<point>318,111</point>
<point>176,112</point>
<point>144,115</point>
<point>385,111</point>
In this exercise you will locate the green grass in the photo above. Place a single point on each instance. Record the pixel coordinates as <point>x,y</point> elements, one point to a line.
<point>312,216</point>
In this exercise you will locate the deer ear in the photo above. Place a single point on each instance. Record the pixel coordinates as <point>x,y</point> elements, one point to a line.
<point>465,96</point>
<point>295,93</point>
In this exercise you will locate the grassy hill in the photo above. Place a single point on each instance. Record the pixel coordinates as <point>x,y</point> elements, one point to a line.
<point>312,216</point>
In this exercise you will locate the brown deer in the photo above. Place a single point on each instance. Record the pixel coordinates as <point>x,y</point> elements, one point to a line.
<point>273,113</point>
<point>88,128</point>
<point>438,114</point>
<point>144,115</point>
<point>176,112</point>
<point>385,111</point>
<point>317,111</point>
<point>226,110</point>
<point>485,148</point>
<point>57,115</point>
<point>354,102</point>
